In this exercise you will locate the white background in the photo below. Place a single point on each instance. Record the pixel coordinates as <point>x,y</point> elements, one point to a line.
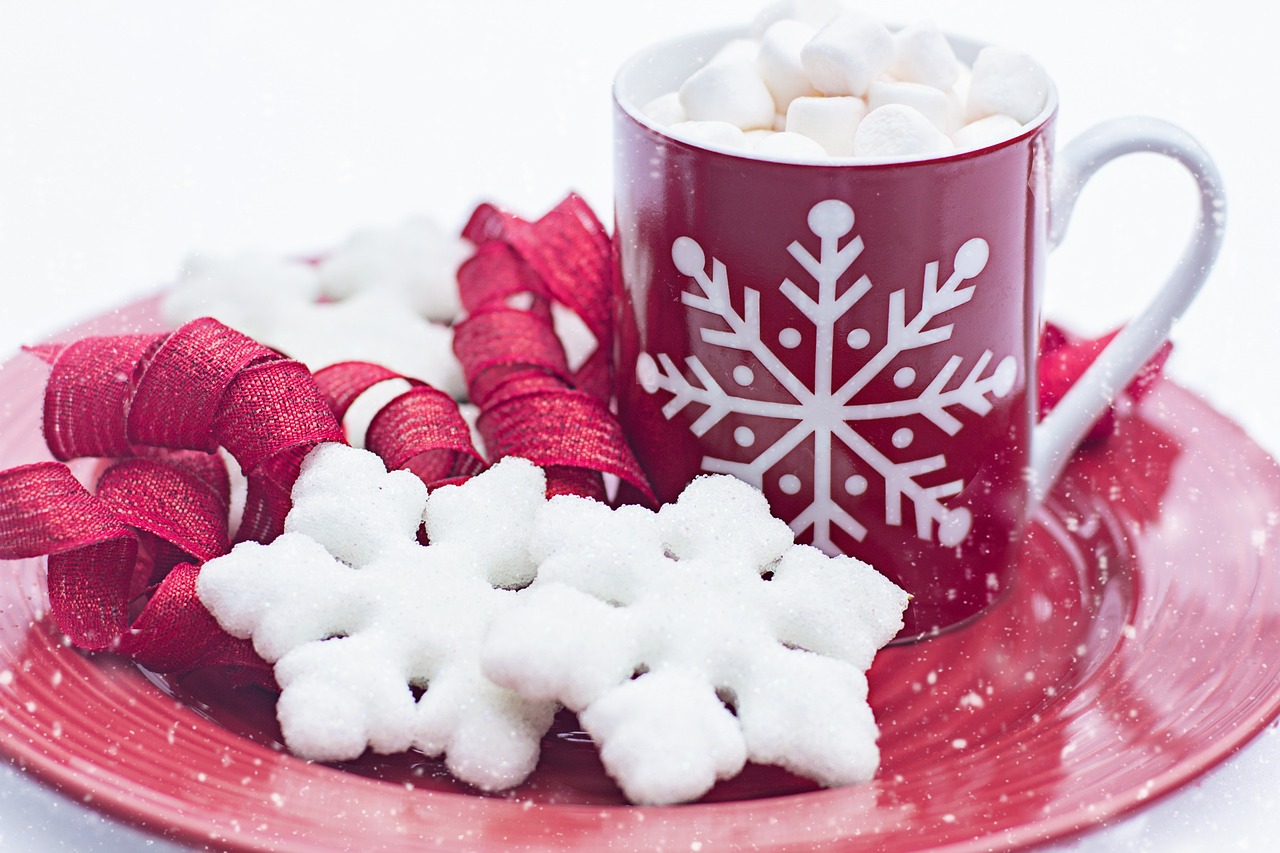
<point>132,133</point>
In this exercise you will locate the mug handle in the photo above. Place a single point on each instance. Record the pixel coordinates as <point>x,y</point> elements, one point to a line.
<point>1055,437</point>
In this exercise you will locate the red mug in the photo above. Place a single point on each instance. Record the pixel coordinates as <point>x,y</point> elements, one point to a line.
<point>858,339</point>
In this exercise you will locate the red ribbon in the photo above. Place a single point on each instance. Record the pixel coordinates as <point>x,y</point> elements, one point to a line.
<point>532,405</point>
<point>420,430</point>
<point>123,559</point>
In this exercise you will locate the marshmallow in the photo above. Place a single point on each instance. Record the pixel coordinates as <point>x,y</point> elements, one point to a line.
<point>960,88</point>
<point>664,110</point>
<point>789,146</point>
<point>923,55</point>
<point>1006,81</point>
<point>728,91</point>
<point>815,13</point>
<point>736,50</point>
<point>846,55</point>
<point>898,131</point>
<point>941,108</point>
<point>778,62</point>
<point>831,122</point>
<point>984,131</point>
<point>855,62</point>
<point>713,134</point>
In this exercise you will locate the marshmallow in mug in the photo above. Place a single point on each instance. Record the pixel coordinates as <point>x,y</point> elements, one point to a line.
<point>850,88</point>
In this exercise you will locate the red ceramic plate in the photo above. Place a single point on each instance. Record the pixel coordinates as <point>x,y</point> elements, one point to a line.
<point>1135,651</point>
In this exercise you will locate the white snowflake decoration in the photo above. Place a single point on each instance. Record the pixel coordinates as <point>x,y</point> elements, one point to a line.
<point>253,292</point>
<point>357,616</point>
<point>385,295</point>
<point>373,326</point>
<point>415,261</point>
<point>650,624</point>
<point>817,408</point>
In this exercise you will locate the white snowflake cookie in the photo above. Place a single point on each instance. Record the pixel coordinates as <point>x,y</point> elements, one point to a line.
<point>698,638</point>
<point>376,638</point>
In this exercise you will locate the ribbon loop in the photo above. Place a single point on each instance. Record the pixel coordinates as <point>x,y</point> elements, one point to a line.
<point>531,404</point>
<point>86,398</point>
<point>195,364</point>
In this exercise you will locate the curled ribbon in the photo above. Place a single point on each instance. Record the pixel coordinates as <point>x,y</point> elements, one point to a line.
<point>532,404</point>
<point>124,558</point>
<point>421,430</point>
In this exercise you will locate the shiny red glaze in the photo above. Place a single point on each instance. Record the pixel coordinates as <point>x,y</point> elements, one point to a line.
<point>744,213</point>
<point>1138,654</point>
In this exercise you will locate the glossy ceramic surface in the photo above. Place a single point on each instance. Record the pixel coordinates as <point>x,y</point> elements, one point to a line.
<point>1134,650</point>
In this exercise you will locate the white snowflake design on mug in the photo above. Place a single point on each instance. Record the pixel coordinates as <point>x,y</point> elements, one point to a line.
<point>818,408</point>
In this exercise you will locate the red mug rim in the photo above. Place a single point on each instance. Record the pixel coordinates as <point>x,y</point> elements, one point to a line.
<point>681,55</point>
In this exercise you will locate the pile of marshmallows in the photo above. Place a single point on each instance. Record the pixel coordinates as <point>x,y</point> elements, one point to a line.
<point>850,88</point>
